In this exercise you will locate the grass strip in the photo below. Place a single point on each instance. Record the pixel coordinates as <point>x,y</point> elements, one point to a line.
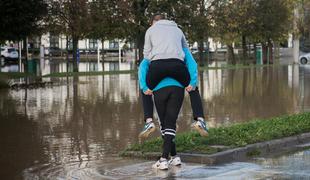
<point>236,135</point>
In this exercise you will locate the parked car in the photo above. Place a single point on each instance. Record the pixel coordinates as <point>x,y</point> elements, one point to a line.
<point>52,51</point>
<point>9,53</point>
<point>304,58</point>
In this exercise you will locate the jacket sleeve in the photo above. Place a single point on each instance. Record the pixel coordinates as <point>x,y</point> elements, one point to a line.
<point>147,49</point>
<point>191,66</point>
<point>184,42</point>
<point>143,69</point>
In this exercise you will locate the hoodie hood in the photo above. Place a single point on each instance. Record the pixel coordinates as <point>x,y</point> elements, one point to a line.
<point>165,23</point>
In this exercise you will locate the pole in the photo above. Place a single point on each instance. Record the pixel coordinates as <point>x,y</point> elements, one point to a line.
<point>20,55</point>
<point>27,55</point>
<point>119,51</point>
<point>296,37</point>
<point>98,55</point>
<point>41,59</point>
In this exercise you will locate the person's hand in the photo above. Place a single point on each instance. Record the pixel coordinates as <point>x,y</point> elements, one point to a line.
<point>148,92</point>
<point>189,88</point>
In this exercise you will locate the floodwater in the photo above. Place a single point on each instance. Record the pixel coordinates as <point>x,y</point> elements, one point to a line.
<point>58,66</point>
<point>75,129</point>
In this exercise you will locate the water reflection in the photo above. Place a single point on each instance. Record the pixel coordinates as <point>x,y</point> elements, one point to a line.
<point>21,141</point>
<point>46,66</point>
<point>87,119</point>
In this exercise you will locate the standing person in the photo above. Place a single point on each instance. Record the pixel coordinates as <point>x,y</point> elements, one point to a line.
<point>168,98</point>
<point>165,47</point>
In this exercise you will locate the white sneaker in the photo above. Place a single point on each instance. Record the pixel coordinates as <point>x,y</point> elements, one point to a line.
<point>202,127</point>
<point>175,161</point>
<point>161,164</point>
<point>147,130</point>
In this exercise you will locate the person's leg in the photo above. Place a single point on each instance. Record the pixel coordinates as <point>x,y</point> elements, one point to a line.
<point>148,107</point>
<point>160,98</point>
<point>196,104</point>
<point>178,71</point>
<point>149,127</point>
<point>173,68</point>
<point>200,125</point>
<point>157,72</point>
<point>173,106</point>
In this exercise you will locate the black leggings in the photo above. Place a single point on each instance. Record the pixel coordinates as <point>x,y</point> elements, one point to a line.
<point>196,104</point>
<point>162,68</point>
<point>168,102</point>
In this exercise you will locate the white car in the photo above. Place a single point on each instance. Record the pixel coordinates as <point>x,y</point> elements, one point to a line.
<point>304,59</point>
<point>9,53</point>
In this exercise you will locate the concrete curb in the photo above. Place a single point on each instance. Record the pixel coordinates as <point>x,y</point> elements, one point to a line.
<point>263,149</point>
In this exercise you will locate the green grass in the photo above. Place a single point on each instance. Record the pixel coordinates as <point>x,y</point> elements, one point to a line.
<point>12,75</point>
<point>238,66</point>
<point>236,135</point>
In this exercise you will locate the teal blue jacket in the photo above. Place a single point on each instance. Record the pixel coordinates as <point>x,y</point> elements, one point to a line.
<point>190,63</point>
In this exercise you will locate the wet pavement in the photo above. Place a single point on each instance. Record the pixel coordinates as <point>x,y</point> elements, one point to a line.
<point>295,166</point>
<point>75,129</point>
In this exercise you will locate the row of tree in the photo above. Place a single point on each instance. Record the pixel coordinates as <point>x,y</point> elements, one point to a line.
<point>233,22</point>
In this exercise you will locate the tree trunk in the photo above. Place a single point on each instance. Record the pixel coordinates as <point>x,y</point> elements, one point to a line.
<point>244,47</point>
<point>140,45</point>
<point>264,51</point>
<point>67,49</point>
<point>231,55</point>
<point>255,52</point>
<point>75,41</point>
<point>270,52</point>
<point>25,48</point>
<point>201,53</point>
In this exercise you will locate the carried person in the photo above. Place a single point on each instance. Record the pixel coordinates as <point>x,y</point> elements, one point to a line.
<point>166,52</point>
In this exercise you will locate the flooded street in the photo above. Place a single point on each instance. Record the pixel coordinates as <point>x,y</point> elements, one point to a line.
<point>75,129</point>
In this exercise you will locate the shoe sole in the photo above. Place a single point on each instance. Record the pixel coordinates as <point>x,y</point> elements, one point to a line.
<point>201,131</point>
<point>146,133</point>
<point>176,164</point>
<point>160,168</point>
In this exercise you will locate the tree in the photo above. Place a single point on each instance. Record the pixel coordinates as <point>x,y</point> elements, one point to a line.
<point>261,21</point>
<point>303,23</point>
<point>138,23</point>
<point>72,18</point>
<point>21,18</point>
<point>108,20</point>
<point>190,15</point>
<point>193,17</point>
<point>274,23</point>
<point>225,25</point>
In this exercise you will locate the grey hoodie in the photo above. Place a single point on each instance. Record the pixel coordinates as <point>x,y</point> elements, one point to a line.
<point>164,40</point>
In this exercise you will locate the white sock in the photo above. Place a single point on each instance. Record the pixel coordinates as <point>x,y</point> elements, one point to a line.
<point>148,120</point>
<point>200,118</point>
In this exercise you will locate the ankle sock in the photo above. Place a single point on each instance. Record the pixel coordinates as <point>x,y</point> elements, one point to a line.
<point>148,120</point>
<point>200,118</point>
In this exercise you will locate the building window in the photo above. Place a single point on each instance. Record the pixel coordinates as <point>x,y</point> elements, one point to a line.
<point>93,44</point>
<point>54,41</point>
<point>113,44</point>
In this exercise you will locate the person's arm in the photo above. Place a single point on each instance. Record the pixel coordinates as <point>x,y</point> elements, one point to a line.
<point>184,42</point>
<point>143,69</point>
<point>147,46</point>
<point>191,66</point>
